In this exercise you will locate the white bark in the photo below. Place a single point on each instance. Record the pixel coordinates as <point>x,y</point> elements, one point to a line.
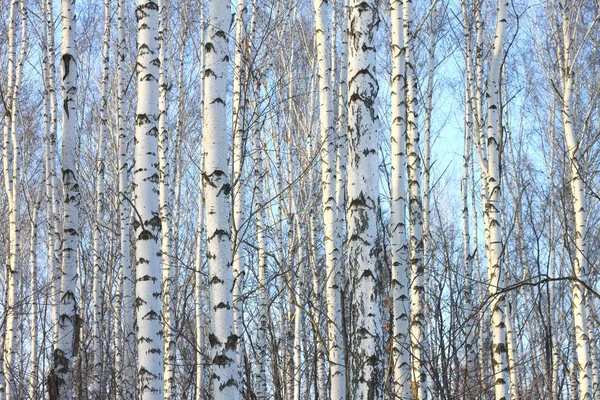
<point>199,300</point>
<point>199,282</point>
<point>494,241</point>
<point>147,218</point>
<point>68,315</point>
<point>33,310</point>
<point>572,143</point>
<point>240,87</point>
<point>363,191</point>
<point>259,207</point>
<point>217,187</point>
<point>398,240</point>
<point>11,163</point>
<point>165,207</point>
<point>414,163</point>
<point>125,378</point>
<point>98,252</point>
<point>337,373</point>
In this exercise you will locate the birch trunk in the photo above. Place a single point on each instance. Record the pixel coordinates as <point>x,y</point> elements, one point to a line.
<point>261,341</point>
<point>34,299</point>
<point>240,87</point>
<point>64,351</point>
<point>53,198</point>
<point>99,271</point>
<point>363,192</point>
<point>199,299</point>
<point>12,162</point>
<point>414,164</point>
<point>494,243</point>
<point>199,281</point>
<point>337,374</point>
<point>164,171</point>
<point>147,215</point>
<point>572,143</point>
<point>127,378</point>
<point>399,243</point>
<point>217,187</point>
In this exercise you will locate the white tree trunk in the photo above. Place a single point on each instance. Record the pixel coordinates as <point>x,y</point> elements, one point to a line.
<point>34,299</point>
<point>399,243</point>
<point>98,380</point>
<point>127,377</point>
<point>199,282</point>
<point>240,87</point>
<point>165,207</point>
<point>147,217</point>
<point>337,373</point>
<point>217,187</point>
<point>199,300</point>
<point>259,206</point>
<point>12,162</point>
<point>68,315</point>
<point>572,143</point>
<point>494,243</point>
<point>417,292</point>
<point>363,193</point>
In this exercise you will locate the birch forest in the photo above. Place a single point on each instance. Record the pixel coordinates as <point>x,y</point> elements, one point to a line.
<point>297,200</point>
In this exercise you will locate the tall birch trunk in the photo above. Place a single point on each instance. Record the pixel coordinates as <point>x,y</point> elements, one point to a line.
<point>399,243</point>
<point>53,198</point>
<point>34,300</point>
<point>363,193</point>
<point>494,243</point>
<point>217,187</point>
<point>199,300</point>
<point>240,87</point>
<point>99,270</point>
<point>415,172</point>
<point>199,281</point>
<point>337,373</point>
<point>11,164</point>
<point>147,220</point>
<point>572,143</point>
<point>166,233</point>
<point>68,322</point>
<point>261,341</point>
<point>470,328</point>
<point>127,378</point>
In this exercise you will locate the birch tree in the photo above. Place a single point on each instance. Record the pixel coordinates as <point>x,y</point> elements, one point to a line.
<point>494,243</point>
<point>147,221</point>
<point>415,210</point>
<point>572,144</point>
<point>399,244</point>
<point>217,187</point>
<point>68,314</point>
<point>363,190</point>
<point>337,374</point>
<point>11,163</point>
<point>100,270</point>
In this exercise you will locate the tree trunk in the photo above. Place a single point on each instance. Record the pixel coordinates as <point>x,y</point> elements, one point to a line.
<point>147,216</point>
<point>399,243</point>
<point>217,188</point>
<point>65,348</point>
<point>100,270</point>
<point>363,193</point>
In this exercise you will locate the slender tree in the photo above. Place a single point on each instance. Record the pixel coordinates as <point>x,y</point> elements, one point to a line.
<point>147,221</point>
<point>399,243</point>
<point>578,188</point>
<point>99,267</point>
<point>217,189</point>
<point>68,316</point>
<point>363,191</point>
